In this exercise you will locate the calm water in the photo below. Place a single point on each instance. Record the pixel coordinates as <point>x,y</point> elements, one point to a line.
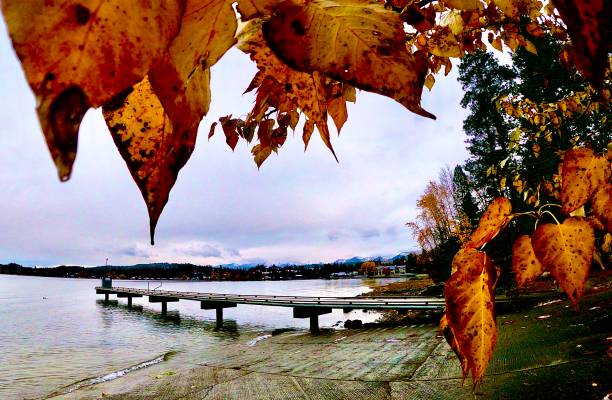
<point>55,331</point>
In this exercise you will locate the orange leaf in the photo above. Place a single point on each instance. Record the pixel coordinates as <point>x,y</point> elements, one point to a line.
<point>470,309</point>
<point>588,26</point>
<point>566,250</point>
<point>80,54</point>
<point>495,218</point>
<point>449,335</point>
<point>354,41</point>
<point>582,174</point>
<point>181,79</point>
<point>601,204</point>
<point>152,150</point>
<point>525,264</point>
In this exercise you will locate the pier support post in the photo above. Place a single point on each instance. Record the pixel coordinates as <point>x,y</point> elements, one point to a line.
<point>164,302</point>
<point>312,313</point>
<point>314,324</point>
<point>129,297</point>
<point>218,306</point>
<point>106,298</point>
<point>219,317</point>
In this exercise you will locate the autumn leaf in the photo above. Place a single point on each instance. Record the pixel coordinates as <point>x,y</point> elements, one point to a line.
<point>464,4</point>
<point>230,128</point>
<point>181,79</point>
<point>250,9</point>
<point>566,250</point>
<point>444,43</point>
<point>449,335</point>
<point>582,174</point>
<point>588,27</point>
<point>516,8</point>
<point>470,309</point>
<point>153,151</point>
<point>601,204</point>
<point>525,264</point>
<point>495,218</point>
<point>354,41</point>
<point>80,54</point>
<point>286,89</point>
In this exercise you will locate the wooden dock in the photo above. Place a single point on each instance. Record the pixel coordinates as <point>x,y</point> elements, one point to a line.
<point>303,307</point>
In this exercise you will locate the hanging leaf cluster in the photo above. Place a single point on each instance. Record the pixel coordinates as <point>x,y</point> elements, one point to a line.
<point>565,249</point>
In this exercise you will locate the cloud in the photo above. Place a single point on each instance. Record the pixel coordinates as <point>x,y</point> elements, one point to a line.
<point>370,233</point>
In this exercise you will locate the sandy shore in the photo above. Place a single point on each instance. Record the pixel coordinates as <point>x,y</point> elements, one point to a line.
<point>549,352</point>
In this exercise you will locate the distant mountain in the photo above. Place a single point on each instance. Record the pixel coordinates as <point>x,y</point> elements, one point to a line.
<point>380,259</point>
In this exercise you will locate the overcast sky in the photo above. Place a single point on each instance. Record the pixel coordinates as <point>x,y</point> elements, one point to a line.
<point>299,207</point>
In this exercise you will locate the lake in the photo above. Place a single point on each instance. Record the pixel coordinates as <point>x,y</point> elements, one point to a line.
<point>55,332</point>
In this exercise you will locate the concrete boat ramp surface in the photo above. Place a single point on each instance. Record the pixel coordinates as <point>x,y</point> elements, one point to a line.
<point>548,352</point>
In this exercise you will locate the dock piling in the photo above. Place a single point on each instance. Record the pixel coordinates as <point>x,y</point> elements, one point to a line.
<point>218,306</point>
<point>312,313</point>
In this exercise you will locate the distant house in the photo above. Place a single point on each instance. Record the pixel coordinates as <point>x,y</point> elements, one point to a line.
<point>384,270</point>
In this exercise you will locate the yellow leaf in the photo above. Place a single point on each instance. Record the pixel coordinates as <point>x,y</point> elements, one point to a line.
<point>582,174</point>
<point>152,150</point>
<point>495,218</point>
<point>337,110</point>
<point>250,9</point>
<point>429,81</point>
<point>566,250</point>
<point>525,264</point>
<point>530,47</point>
<point>181,79</point>
<point>443,43</point>
<point>601,203</point>
<point>260,154</point>
<point>470,309</point>
<point>354,41</point>
<point>516,8</point>
<point>80,54</point>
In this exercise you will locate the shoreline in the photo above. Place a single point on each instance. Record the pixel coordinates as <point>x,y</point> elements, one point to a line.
<point>534,358</point>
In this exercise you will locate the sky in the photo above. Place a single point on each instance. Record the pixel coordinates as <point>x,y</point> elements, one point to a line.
<point>300,207</point>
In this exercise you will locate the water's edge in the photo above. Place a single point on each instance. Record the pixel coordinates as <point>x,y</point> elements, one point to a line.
<point>110,376</point>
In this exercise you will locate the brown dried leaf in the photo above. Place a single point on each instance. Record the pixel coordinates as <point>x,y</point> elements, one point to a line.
<point>470,309</point>
<point>525,264</point>
<point>181,79</point>
<point>588,25</point>
<point>582,174</point>
<point>354,41</point>
<point>153,151</point>
<point>495,218</point>
<point>566,250</point>
<point>601,204</point>
<point>80,54</point>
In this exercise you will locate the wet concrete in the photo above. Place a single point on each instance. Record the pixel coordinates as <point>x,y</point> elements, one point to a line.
<point>548,352</point>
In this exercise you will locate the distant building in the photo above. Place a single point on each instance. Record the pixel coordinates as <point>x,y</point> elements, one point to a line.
<point>384,270</point>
